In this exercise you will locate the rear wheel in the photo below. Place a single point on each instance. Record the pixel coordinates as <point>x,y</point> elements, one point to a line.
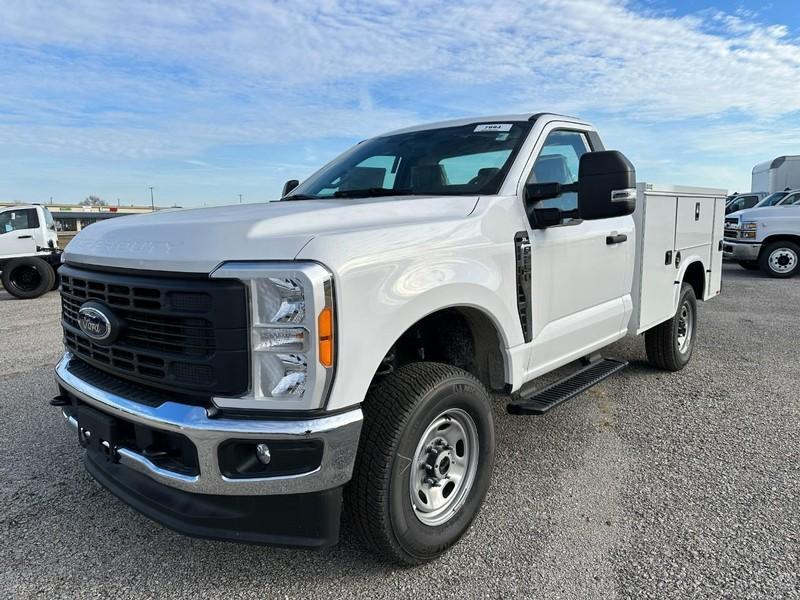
<point>424,461</point>
<point>750,265</point>
<point>669,345</point>
<point>28,277</point>
<point>780,259</point>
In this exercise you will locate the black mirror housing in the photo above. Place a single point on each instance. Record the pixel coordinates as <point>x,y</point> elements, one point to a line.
<point>289,186</point>
<point>534,192</point>
<point>542,218</point>
<point>606,185</point>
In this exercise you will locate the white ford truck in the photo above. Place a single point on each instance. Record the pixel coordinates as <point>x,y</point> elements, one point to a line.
<point>29,254</point>
<point>766,238</point>
<point>247,372</point>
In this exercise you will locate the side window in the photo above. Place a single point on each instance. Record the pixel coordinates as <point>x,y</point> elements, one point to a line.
<point>14,220</point>
<point>558,163</point>
<point>791,199</point>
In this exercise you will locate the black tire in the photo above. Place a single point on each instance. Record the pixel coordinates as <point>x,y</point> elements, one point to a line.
<point>750,265</point>
<point>28,277</point>
<point>56,281</point>
<point>780,259</point>
<point>663,342</point>
<point>398,412</point>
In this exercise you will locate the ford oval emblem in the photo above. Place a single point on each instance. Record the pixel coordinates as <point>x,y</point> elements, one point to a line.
<point>94,322</point>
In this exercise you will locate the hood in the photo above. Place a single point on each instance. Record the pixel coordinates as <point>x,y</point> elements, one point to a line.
<point>765,212</point>
<point>199,240</point>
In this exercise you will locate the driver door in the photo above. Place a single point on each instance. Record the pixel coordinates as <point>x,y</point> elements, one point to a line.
<point>581,283</point>
<point>18,230</point>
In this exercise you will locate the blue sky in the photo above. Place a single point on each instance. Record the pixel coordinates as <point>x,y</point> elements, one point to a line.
<point>206,101</point>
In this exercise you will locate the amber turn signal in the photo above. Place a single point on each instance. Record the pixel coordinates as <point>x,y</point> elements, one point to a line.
<point>325,332</point>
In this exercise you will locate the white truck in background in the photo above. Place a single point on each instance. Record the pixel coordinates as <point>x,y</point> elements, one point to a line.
<point>766,237</point>
<point>29,253</point>
<point>246,372</point>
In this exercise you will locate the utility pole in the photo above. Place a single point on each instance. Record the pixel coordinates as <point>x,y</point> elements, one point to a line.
<point>51,200</point>
<point>240,198</point>
<point>152,202</point>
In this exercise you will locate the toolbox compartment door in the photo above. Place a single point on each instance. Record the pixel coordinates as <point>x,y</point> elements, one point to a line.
<point>654,277</point>
<point>715,276</point>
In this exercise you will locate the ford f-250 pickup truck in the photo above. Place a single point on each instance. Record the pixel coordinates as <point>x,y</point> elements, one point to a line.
<point>246,372</point>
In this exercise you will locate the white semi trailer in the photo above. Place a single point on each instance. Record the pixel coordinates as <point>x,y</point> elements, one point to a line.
<point>776,175</point>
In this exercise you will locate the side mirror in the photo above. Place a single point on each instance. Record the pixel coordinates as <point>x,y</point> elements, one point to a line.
<point>289,186</point>
<point>606,185</point>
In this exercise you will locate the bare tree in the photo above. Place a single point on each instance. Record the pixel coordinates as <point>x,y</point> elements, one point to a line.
<point>93,201</point>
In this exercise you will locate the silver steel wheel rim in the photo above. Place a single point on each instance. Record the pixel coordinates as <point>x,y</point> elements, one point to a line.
<point>685,327</point>
<point>444,467</point>
<point>783,260</point>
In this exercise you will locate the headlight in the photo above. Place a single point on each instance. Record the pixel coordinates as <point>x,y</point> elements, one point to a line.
<point>291,333</point>
<point>749,225</point>
<point>749,235</point>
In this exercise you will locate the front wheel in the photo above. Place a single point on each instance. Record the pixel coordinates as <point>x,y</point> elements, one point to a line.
<point>780,259</point>
<point>424,461</point>
<point>28,277</point>
<point>669,345</point>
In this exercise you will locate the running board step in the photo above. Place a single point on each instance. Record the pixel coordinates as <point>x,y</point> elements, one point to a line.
<point>540,401</point>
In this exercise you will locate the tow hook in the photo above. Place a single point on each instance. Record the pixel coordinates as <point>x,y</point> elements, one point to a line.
<point>85,438</point>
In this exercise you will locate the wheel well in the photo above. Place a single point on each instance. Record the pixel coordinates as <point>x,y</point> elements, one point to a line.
<point>780,238</point>
<point>460,336</point>
<point>696,277</point>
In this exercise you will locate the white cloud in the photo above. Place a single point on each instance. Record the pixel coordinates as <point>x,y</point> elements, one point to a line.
<point>143,80</point>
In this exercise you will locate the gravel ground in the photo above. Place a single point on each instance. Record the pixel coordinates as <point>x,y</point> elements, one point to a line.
<point>651,485</point>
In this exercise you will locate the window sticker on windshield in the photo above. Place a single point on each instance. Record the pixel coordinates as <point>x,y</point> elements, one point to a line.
<point>493,127</point>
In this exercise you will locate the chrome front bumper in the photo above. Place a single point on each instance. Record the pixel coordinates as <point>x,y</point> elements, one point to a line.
<point>338,433</point>
<point>735,250</point>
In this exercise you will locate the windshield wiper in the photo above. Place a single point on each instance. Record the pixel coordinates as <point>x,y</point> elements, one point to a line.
<point>372,192</point>
<point>301,197</point>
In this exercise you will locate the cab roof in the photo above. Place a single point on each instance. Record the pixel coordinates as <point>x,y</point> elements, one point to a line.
<point>513,118</point>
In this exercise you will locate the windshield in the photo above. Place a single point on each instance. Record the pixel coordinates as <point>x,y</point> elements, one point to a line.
<point>465,160</point>
<point>772,199</point>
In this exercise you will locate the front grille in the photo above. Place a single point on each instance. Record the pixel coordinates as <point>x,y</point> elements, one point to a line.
<point>731,233</point>
<point>185,335</point>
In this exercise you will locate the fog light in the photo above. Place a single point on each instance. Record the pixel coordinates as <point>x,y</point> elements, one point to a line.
<point>263,454</point>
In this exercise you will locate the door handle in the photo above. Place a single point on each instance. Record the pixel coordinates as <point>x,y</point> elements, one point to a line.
<point>616,239</point>
<point>24,237</point>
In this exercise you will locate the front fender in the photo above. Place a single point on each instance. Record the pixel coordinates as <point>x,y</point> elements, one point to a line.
<point>381,295</point>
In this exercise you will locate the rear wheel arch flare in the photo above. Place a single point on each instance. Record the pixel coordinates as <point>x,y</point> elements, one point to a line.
<point>695,275</point>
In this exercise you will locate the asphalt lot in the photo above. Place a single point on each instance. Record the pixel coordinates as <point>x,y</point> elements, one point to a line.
<point>651,485</point>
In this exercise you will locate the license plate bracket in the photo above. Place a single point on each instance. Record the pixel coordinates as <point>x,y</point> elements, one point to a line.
<point>97,432</point>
